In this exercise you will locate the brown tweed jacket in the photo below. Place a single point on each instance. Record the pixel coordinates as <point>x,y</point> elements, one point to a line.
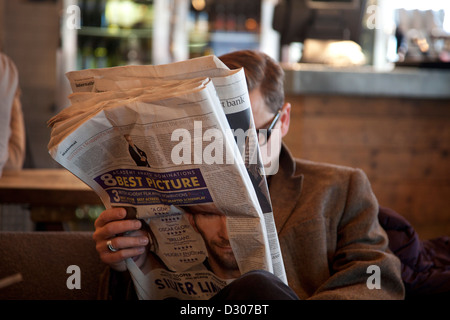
<point>326,217</point>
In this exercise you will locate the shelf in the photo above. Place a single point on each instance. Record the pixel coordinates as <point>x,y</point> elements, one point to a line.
<point>115,32</point>
<point>234,37</point>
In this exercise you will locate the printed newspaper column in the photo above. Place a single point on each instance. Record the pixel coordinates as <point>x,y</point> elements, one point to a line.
<point>235,100</point>
<point>122,150</point>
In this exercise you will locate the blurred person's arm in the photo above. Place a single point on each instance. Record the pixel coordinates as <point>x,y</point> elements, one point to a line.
<point>12,131</point>
<point>16,146</point>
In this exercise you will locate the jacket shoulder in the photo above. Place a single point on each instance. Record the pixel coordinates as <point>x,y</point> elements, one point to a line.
<point>323,169</point>
<point>332,182</point>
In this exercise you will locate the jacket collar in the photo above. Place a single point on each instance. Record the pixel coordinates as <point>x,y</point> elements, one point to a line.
<point>285,188</point>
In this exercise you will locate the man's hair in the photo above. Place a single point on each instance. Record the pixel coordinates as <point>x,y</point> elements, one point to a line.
<point>261,71</point>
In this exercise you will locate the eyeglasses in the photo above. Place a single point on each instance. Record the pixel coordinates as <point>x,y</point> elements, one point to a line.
<point>264,133</point>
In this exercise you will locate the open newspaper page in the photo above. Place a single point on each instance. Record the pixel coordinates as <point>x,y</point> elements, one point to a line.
<point>233,94</point>
<point>105,138</point>
<point>211,66</point>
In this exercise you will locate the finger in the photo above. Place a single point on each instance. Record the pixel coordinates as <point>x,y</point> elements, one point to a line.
<point>109,215</point>
<point>114,228</point>
<point>119,256</point>
<point>121,243</point>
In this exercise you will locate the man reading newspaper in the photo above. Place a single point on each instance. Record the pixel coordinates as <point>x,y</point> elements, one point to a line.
<point>321,262</point>
<point>325,218</point>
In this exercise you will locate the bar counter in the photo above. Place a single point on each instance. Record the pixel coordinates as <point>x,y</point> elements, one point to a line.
<point>395,125</point>
<point>408,82</point>
<point>45,187</point>
<point>52,195</point>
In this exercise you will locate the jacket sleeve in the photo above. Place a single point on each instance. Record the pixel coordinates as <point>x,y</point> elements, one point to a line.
<point>362,267</point>
<point>425,263</point>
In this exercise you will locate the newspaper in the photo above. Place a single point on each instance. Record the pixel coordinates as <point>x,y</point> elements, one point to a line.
<point>174,143</point>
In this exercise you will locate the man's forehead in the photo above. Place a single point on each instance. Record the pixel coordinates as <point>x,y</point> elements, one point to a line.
<point>259,109</point>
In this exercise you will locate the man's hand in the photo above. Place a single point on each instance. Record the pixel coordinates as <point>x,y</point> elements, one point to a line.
<point>111,225</point>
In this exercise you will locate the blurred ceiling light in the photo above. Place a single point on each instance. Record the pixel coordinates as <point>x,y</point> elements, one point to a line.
<point>344,53</point>
<point>334,53</point>
<point>251,24</point>
<point>423,44</point>
<point>122,13</point>
<point>198,5</point>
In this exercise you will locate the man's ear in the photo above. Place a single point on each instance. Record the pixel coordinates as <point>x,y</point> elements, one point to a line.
<point>285,118</point>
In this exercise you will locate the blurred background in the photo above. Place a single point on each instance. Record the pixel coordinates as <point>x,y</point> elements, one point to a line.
<point>368,80</point>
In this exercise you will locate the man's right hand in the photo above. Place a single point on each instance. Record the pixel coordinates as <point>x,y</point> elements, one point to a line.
<point>111,225</point>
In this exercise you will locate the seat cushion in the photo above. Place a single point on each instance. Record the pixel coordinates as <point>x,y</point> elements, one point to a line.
<point>43,259</point>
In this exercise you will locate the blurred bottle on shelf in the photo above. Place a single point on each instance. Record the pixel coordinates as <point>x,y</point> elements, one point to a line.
<point>120,32</point>
<point>198,26</point>
<point>93,13</point>
<point>101,55</point>
<point>114,32</point>
<point>233,25</point>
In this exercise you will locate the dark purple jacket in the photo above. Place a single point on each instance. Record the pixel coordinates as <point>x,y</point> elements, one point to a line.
<point>425,263</point>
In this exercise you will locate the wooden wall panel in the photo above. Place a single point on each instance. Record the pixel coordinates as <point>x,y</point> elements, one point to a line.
<point>403,145</point>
